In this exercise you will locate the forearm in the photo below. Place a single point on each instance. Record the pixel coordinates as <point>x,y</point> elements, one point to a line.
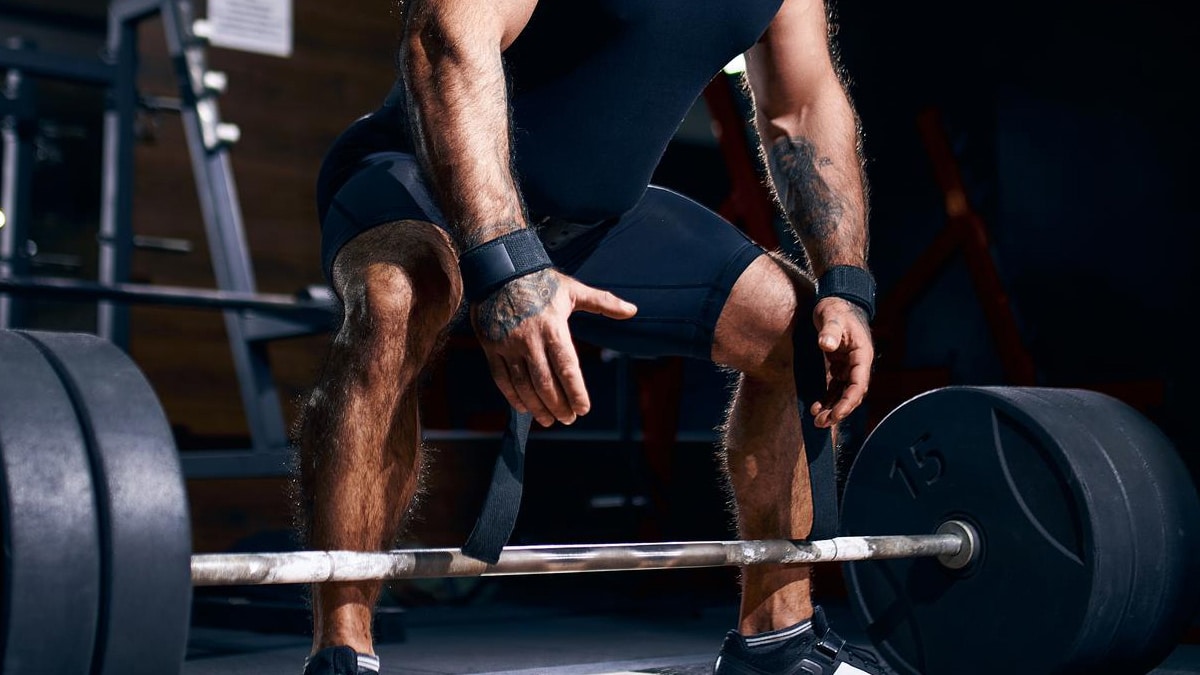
<point>460,118</point>
<point>816,169</point>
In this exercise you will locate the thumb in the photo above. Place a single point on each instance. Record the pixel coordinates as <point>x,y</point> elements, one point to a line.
<point>593,300</point>
<point>830,337</point>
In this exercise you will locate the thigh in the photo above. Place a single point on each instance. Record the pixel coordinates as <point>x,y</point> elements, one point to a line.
<point>677,261</point>
<point>384,189</point>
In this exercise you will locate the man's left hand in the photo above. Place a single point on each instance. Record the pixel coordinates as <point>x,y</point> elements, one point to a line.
<point>844,335</point>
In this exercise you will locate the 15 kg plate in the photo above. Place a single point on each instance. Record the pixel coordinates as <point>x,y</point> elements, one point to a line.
<point>1059,494</point>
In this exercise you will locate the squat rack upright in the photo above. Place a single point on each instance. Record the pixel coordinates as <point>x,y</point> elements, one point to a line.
<point>252,319</point>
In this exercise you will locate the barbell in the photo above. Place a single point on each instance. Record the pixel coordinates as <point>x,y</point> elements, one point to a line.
<point>974,519</point>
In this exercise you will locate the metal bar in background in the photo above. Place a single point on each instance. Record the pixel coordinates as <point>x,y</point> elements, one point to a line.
<point>303,567</point>
<point>57,66</point>
<point>115,238</point>
<point>63,288</point>
<point>17,128</point>
<point>131,11</point>
<point>224,228</point>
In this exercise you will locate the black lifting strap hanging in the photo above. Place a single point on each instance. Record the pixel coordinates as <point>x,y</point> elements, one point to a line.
<point>503,501</point>
<point>808,366</point>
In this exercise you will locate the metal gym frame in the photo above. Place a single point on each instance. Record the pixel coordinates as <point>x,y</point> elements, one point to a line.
<point>252,319</point>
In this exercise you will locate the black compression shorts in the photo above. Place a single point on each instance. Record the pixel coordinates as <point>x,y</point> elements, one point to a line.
<point>672,257</point>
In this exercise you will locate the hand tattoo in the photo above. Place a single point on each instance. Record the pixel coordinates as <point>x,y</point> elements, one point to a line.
<point>501,312</point>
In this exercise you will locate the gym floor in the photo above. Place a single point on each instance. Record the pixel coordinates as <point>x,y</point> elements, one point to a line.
<point>574,624</point>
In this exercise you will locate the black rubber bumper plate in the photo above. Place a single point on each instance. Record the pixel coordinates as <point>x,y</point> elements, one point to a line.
<point>1087,521</point>
<point>50,564</point>
<point>141,504</point>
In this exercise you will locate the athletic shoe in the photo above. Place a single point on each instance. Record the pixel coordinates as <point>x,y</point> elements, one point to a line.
<point>807,648</point>
<point>341,661</point>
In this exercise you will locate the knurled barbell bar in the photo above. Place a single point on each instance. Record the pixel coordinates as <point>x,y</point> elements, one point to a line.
<point>954,544</point>
<point>1059,513</point>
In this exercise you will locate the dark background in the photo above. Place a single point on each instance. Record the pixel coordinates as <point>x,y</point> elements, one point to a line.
<point>1072,122</point>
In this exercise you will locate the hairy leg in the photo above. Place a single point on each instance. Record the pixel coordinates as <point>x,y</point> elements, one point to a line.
<point>358,434</point>
<point>764,449</point>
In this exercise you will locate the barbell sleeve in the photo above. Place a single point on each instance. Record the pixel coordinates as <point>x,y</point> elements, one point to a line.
<point>300,567</point>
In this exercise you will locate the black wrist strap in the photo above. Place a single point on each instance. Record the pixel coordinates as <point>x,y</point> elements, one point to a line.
<point>494,263</point>
<point>851,283</point>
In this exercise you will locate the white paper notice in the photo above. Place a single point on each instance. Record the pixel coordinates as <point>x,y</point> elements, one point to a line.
<point>263,26</point>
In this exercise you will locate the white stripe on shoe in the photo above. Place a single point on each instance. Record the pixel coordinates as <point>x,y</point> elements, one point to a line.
<point>368,662</point>
<point>847,669</point>
<point>778,635</point>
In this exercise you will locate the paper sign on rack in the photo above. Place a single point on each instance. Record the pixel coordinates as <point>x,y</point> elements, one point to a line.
<point>262,26</point>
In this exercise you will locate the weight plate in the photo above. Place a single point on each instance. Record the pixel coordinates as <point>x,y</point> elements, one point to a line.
<point>144,525</point>
<point>50,567</point>
<point>1056,568</point>
<point>1164,516</point>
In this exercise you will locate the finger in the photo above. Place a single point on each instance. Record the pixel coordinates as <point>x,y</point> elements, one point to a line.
<point>830,337</point>
<point>849,389</point>
<point>815,409</point>
<point>821,419</point>
<point>596,301</point>
<point>821,411</point>
<point>499,370</point>
<point>565,364</point>
<point>835,384</point>
<point>546,386</point>
<point>851,398</point>
<point>519,376</point>
<point>822,414</point>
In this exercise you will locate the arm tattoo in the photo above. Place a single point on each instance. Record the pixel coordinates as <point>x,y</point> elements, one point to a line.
<point>522,298</point>
<point>810,204</point>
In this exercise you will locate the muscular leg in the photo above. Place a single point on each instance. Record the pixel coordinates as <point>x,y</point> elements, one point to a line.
<point>764,450</point>
<point>358,434</point>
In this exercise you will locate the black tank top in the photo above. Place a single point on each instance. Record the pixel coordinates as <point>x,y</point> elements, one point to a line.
<point>598,89</point>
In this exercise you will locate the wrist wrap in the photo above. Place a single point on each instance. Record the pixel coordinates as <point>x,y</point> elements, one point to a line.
<point>851,283</point>
<point>492,264</point>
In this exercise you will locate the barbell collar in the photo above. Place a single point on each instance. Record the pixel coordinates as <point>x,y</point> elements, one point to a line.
<point>302,567</point>
<point>970,544</point>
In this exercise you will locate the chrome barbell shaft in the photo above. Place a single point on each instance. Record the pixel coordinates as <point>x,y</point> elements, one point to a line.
<point>300,567</point>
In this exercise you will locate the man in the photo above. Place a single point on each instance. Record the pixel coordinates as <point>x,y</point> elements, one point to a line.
<point>529,128</point>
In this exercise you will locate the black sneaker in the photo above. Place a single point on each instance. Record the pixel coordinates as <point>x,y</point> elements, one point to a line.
<point>804,649</point>
<point>341,661</point>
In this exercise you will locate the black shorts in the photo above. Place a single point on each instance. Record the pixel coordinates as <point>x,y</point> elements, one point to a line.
<point>672,257</point>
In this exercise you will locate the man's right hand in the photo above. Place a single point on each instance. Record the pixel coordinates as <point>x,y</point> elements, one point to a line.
<point>523,330</point>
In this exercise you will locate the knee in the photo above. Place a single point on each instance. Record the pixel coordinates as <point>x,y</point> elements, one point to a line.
<point>380,296</point>
<point>397,289</point>
<point>754,331</point>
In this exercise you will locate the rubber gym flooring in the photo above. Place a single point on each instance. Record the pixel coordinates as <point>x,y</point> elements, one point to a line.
<point>575,624</point>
